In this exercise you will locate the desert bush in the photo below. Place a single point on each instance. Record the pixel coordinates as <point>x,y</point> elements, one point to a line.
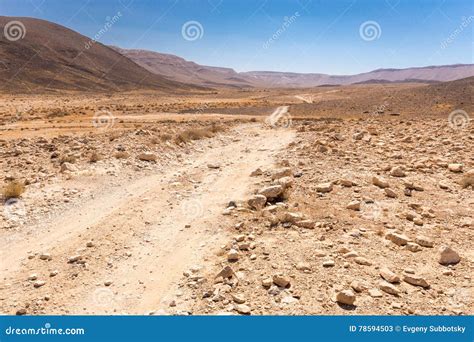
<point>95,157</point>
<point>67,159</point>
<point>13,189</point>
<point>121,155</point>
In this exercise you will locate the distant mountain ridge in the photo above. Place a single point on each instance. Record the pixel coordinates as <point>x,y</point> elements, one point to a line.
<point>179,69</point>
<point>51,57</point>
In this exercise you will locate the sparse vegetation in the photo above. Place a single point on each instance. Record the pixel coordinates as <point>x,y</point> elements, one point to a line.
<point>121,155</point>
<point>95,157</point>
<point>13,189</point>
<point>197,134</point>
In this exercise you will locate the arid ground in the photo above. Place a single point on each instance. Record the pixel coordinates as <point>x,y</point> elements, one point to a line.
<point>357,200</point>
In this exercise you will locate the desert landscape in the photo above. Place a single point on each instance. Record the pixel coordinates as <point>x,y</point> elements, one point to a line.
<point>135,182</point>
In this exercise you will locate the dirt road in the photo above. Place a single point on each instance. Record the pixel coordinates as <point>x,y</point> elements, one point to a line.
<point>130,246</point>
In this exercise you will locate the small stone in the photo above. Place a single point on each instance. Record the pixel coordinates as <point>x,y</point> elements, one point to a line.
<point>413,247</point>
<point>447,256</point>
<point>324,187</point>
<point>213,166</point>
<point>397,172</point>
<point>107,282</point>
<point>380,182</point>
<point>415,280</point>
<point>271,191</point>
<point>389,276</point>
<point>354,205</point>
<point>455,167</point>
<point>45,256</point>
<point>303,266</point>
<point>375,293</point>
<point>90,244</point>
<point>238,298</point>
<point>33,276</point>
<point>226,272</point>
<point>329,263</point>
<point>398,239</point>
<point>308,224</point>
<point>242,309</point>
<point>267,282</point>
<point>281,280</point>
<point>21,312</point>
<point>53,273</point>
<point>257,172</point>
<point>346,297</point>
<point>74,259</point>
<point>257,202</point>
<point>424,241</point>
<point>389,288</point>
<point>362,261</point>
<point>358,286</point>
<point>233,255</point>
<point>147,156</point>
<point>39,283</point>
<point>390,193</point>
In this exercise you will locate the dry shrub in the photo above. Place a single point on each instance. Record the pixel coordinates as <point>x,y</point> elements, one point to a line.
<point>67,159</point>
<point>197,133</point>
<point>121,155</point>
<point>13,189</point>
<point>95,157</point>
<point>166,137</point>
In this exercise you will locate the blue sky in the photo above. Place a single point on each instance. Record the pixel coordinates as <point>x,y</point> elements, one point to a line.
<point>321,36</point>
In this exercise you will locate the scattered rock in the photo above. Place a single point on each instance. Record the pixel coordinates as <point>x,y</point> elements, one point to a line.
<point>242,309</point>
<point>354,205</point>
<point>147,156</point>
<point>257,202</point>
<point>346,297</point>
<point>271,191</point>
<point>415,280</point>
<point>388,288</point>
<point>398,239</point>
<point>324,187</point>
<point>389,276</point>
<point>232,255</point>
<point>455,167</point>
<point>397,172</point>
<point>380,182</point>
<point>447,256</point>
<point>281,280</point>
